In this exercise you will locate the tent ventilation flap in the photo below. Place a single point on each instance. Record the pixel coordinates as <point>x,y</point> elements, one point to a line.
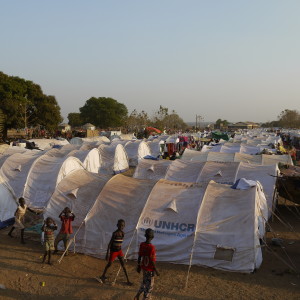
<point>172,206</point>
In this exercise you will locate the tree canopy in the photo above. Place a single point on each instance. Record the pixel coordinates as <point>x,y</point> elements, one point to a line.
<point>161,120</point>
<point>137,121</point>
<point>75,119</point>
<point>103,112</point>
<point>220,121</point>
<point>25,105</point>
<point>289,119</point>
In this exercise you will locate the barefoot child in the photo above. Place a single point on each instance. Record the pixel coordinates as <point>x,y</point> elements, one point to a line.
<point>114,249</point>
<point>146,262</point>
<point>48,229</point>
<point>66,217</point>
<point>19,218</point>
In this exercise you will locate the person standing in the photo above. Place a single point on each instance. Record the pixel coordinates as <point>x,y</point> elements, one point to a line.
<point>48,229</point>
<point>66,217</point>
<point>146,262</point>
<point>20,217</point>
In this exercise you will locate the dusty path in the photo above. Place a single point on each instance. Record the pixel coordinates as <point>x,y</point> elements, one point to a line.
<point>22,273</point>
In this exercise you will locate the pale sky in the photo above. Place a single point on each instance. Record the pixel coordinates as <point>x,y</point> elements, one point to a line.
<point>230,59</point>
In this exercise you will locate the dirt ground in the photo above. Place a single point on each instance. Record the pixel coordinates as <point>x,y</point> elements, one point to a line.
<point>23,275</point>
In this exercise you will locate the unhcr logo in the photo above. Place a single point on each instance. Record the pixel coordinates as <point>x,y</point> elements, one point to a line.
<point>168,225</point>
<point>147,221</point>
<point>174,226</point>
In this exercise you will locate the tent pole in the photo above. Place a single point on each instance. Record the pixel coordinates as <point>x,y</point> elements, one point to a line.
<point>70,243</point>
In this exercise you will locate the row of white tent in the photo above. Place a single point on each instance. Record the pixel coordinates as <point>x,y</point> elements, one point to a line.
<point>35,175</point>
<point>115,157</point>
<point>203,172</point>
<point>197,217</point>
<point>234,148</point>
<point>207,224</point>
<point>263,159</point>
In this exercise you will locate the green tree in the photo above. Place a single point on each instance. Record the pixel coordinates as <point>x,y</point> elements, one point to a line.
<point>289,119</point>
<point>159,119</point>
<point>24,104</point>
<point>163,120</point>
<point>173,121</point>
<point>75,119</point>
<point>50,113</point>
<point>103,112</point>
<point>137,121</point>
<point>221,123</point>
<point>270,124</point>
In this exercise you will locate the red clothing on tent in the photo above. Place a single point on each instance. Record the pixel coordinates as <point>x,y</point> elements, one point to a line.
<point>171,149</point>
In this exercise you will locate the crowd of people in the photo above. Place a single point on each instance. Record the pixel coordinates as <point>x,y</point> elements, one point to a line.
<point>146,255</point>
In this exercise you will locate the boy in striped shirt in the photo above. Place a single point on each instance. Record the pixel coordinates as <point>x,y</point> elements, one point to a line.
<point>114,251</point>
<point>48,229</point>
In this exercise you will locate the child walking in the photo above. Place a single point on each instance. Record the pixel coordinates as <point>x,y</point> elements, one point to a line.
<point>114,251</point>
<point>146,262</point>
<point>48,229</point>
<point>19,218</point>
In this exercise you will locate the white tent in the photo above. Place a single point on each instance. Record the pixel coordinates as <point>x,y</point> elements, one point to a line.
<point>114,159</point>
<point>191,154</point>
<point>8,204</point>
<point>274,159</point>
<point>44,175</point>
<point>253,159</point>
<point>190,171</point>
<point>78,191</point>
<point>15,169</point>
<point>171,211</point>
<point>154,148</point>
<point>242,148</point>
<point>76,141</point>
<point>184,171</point>
<point>15,149</point>
<point>151,169</point>
<point>128,137</point>
<point>88,145</point>
<point>266,175</point>
<point>222,157</point>
<point>90,159</point>
<point>3,148</point>
<point>208,224</point>
<point>45,144</point>
<point>70,147</point>
<point>54,152</point>
<point>99,139</point>
<point>263,159</point>
<point>136,151</point>
<point>121,198</point>
<point>3,158</point>
<point>119,141</point>
<point>219,171</point>
<point>173,139</point>
<point>230,224</point>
